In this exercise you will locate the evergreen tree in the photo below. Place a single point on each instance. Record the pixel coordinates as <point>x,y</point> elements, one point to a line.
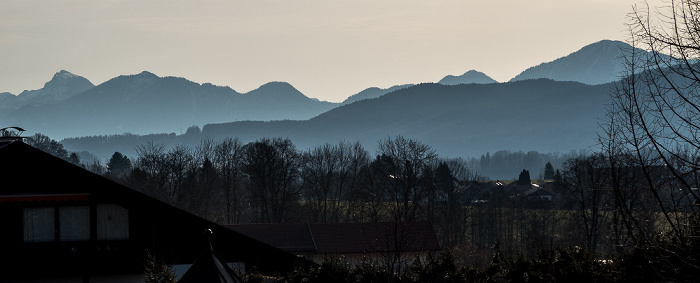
<point>524,178</point>
<point>156,271</point>
<point>74,158</point>
<point>549,171</point>
<point>118,164</point>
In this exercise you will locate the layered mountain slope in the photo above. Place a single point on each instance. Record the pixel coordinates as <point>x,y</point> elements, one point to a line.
<point>278,101</point>
<point>597,63</point>
<point>373,92</point>
<point>145,103</point>
<point>470,77</point>
<point>461,120</point>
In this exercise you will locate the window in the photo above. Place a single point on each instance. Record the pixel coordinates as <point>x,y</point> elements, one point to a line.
<point>74,223</point>
<point>112,222</point>
<point>39,224</point>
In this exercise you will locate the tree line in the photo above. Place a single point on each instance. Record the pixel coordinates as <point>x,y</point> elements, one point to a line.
<point>602,209</point>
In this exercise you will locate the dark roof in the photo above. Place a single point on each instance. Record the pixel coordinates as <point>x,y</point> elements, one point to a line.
<point>375,237</point>
<point>538,192</point>
<point>210,268</point>
<point>291,237</point>
<point>175,233</point>
<point>343,238</point>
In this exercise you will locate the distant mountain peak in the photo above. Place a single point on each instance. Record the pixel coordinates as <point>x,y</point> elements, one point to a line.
<point>63,74</point>
<point>277,89</point>
<point>62,86</point>
<point>597,63</point>
<point>470,77</point>
<point>276,85</point>
<point>65,84</point>
<point>146,74</point>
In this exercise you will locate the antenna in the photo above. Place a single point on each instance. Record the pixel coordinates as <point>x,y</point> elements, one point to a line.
<point>11,133</point>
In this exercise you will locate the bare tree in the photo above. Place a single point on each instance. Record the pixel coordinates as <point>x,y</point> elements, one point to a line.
<point>180,161</point>
<point>655,118</point>
<point>401,167</point>
<point>227,157</point>
<point>48,145</point>
<point>588,191</point>
<point>272,170</point>
<point>404,162</point>
<point>150,174</point>
<point>329,174</point>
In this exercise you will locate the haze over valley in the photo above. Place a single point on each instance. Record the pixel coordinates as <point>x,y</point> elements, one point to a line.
<point>552,107</point>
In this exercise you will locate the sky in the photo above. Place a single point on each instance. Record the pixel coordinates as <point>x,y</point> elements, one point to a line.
<point>327,49</point>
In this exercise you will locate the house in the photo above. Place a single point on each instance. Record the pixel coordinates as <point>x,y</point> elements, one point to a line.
<point>538,193</point>
<point>352,242</point>
<point>76,226</point>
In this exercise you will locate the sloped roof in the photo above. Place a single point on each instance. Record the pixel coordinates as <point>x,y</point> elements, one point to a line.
<point>291,237</point>
<point>536,192</point>
<point>209,268</point>
<point>375,237</point>
<point>344,238</point>
<point>171,231</point>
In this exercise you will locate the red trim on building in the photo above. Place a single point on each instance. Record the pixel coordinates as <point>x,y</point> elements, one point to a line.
<point>43,198</point>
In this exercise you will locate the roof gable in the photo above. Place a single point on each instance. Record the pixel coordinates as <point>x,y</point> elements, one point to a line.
<point>43,178</point>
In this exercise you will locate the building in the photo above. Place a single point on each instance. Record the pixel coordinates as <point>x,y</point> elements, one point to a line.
<point>76,226</point>
<point>351,242</point>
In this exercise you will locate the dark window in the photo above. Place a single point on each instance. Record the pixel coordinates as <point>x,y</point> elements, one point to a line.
<point>39,224</point>
<point>112,222</point>
<point>74,223</point>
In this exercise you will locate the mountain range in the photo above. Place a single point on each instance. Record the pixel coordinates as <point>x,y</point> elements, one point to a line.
<point>549,107</point>
<point>145,103</point>
<point>462,120</point>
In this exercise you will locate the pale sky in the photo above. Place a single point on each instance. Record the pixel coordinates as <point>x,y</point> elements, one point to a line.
<point>327,49</point>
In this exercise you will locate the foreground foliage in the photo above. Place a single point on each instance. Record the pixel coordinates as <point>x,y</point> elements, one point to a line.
<point>572,264</point>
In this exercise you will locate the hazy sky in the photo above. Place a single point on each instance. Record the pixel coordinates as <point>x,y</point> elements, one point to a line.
<point>327,49</point>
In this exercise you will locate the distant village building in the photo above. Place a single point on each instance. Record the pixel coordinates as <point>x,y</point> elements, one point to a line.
<point>63,223</point>
<point>351,242</point>
<point>539,194</point>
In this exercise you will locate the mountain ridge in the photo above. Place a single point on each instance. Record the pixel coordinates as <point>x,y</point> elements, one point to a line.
<point>373,92</point>
<point>62,86</point>
<point>146,103</point>
<point>469,77</point>
<point>461,120</point>
<point>597,63</point>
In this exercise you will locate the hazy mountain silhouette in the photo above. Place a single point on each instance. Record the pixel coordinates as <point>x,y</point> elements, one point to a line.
<point>462,120</point>
<point>7,100</point>
<point>62,86</point>
<point>597,63</point>
<point>278,101</point>
<point>145,103</point>
<point>541,115</point>
<point>470,77</point>
<point>373,92</point>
